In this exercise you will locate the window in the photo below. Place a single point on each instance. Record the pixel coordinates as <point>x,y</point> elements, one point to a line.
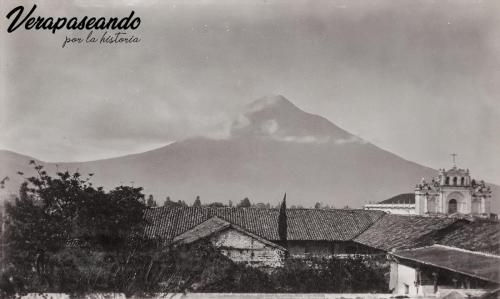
<point>447,181</point>
<point>462,181</point>
<point>454,181</point>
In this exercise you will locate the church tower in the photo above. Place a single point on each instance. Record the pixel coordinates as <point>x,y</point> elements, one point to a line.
<point>452,192</point>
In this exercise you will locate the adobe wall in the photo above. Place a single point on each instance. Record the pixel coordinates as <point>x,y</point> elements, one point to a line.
<point>242,248</point>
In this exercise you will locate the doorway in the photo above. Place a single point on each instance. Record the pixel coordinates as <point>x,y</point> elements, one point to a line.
<point>452,206</point>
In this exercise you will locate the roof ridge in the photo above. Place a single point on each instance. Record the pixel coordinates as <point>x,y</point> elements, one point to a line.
<point>466,250</point>
<point>257,208</point>
<point>395,250</point>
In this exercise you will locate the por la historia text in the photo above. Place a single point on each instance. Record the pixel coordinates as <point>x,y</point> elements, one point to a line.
<point>105,38</point>
<point>72,23</point>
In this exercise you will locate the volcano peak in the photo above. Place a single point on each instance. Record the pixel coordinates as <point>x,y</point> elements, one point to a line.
<point>278,102</point>
<point>277,118</point>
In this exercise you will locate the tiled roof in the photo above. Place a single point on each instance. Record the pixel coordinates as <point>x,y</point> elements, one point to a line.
<point>486,267</point>
<point>399,231</point>
<point>215,225</point>
<point>203,230</point>
<point>408,198</point>
<point>303,224</point>
<point>478,235</point>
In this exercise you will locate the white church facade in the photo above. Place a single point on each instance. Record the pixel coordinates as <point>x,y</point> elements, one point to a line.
<point>451,192</point>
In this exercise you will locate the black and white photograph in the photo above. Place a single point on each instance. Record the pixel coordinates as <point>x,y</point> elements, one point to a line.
<point>303,149</point>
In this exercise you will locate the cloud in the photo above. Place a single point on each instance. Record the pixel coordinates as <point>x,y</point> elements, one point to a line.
<point>305,139</point>
<point>270,127</point>
<point>264,102</point>
<point>240,122</point>
<point>352,139</point>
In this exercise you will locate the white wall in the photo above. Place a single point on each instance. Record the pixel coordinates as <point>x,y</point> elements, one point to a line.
<point>403,279</point>
<point>242,248</point>
<point>399,209</point>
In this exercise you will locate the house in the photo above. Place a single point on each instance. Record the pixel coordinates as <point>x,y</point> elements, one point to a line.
<point>310,232</point>
<point>236,243</point>
<point>438,270</point>
<point>437,255</point>
<point>428,255</point>
<point>418,247</point>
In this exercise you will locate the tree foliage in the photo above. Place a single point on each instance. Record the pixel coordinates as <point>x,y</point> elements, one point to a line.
<point>52,214</point>
<point>333,275</point>
<point>151,202</point>
<point>170,203</point>
<point>244,203</point>
<point>197,202</point>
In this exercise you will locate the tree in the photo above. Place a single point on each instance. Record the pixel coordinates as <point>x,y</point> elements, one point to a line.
<point>51,213</point>
<point>150,202</point>
<point>117,216</point>
<point>244,203</point>
<point>317,205</point>
<point>282,222</point>
<point>3,182</point>
<point>197,202</point>
<point>168,202</point>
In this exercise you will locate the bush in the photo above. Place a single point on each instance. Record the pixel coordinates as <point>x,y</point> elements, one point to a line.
<point>333,275</point>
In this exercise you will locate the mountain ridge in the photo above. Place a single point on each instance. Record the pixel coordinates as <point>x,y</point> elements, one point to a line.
<point>272,147</point>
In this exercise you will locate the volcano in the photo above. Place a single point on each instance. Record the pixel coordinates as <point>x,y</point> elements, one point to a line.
<point>272,147</point>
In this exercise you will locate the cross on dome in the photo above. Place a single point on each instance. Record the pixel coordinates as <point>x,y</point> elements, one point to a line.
<point>453,157</point>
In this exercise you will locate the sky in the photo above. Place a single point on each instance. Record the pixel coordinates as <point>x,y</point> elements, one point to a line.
<point>418,78</point>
